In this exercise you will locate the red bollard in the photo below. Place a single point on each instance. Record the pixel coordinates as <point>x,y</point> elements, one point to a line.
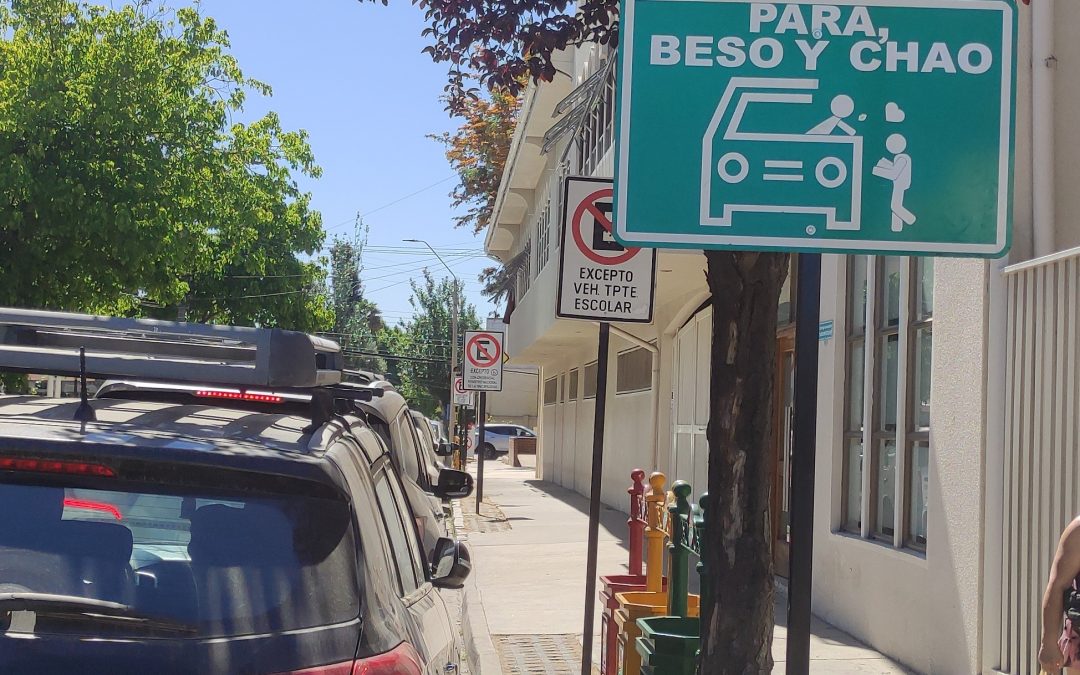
<point>622,583</point>
<point>636,522</point>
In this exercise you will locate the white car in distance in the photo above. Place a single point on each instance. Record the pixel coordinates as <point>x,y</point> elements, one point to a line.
<point>497,438</point>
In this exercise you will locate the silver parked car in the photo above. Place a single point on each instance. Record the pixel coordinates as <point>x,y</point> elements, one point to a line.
<point>497,438</point>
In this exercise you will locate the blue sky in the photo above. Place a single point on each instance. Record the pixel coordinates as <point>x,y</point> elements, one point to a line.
<point>353,76</point>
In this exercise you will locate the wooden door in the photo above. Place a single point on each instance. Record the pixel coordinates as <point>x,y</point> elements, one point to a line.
<point>782,417</point>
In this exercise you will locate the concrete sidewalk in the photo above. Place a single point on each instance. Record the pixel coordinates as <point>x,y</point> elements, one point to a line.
<point>524,603</point>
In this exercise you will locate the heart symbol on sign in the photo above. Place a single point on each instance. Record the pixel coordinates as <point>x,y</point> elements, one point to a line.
<point>893,113</point>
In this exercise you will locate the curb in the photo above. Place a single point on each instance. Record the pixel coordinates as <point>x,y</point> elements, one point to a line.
<point>479,648</point>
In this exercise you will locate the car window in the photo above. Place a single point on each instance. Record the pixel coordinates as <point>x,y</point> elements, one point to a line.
<point>427,442</point>
<point>403,543</point>
<point>404,447</point>
<point>223,564</point>
<point>423,430</point>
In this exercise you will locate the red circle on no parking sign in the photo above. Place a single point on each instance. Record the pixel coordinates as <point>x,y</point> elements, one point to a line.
<point>478,353</point>
<point>589,206</point>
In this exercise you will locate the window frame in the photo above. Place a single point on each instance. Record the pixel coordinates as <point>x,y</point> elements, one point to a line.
<point>916,434</point>
<point>551,385</point>
<point>627,353</point>
<point>854,338</point>
<point>586,382</point>
<point>874,434</point>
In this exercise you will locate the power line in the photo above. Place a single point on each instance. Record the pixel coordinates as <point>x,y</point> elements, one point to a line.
<point>391,357</point>
<point>410,271</point>
<point>391,203</point>
<point>408,196</point>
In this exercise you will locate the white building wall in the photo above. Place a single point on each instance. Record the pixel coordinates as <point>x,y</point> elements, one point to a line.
<point>922,609</point>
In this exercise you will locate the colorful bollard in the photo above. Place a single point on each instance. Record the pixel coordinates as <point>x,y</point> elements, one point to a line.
<point>653,601</point>
<point>669,645</point>
<point>620,583</point>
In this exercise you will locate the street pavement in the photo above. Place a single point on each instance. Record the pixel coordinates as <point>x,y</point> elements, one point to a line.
<point>523,607</point>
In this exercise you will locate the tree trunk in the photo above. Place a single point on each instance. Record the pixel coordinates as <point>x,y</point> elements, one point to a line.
<point>737,618</point>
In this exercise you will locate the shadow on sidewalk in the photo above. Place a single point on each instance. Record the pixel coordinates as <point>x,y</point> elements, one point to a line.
<point>612,520</point>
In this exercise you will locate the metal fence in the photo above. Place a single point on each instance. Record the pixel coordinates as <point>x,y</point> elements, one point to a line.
<point>1042,414</point>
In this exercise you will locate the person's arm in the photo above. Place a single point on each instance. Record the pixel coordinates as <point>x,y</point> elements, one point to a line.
<point>1066,567</point>
<point>885,169</point>
<point>845,127</point>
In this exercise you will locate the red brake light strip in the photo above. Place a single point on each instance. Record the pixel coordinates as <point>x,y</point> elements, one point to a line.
<point>239,396</point>
<point>73,503</point>
<point>55,466</point>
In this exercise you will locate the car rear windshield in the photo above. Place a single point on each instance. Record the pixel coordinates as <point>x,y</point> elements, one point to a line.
<point>218,564</point>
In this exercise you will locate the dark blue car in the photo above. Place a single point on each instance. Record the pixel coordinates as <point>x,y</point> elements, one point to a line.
<point>176,538</point>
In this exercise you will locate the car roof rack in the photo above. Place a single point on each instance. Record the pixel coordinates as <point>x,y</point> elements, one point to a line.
<point>49,343</point>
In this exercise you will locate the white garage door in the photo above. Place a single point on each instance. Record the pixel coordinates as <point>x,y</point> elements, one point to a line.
<point>690,404</point>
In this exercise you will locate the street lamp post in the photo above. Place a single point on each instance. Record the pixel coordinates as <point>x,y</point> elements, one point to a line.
<point>450,411</point>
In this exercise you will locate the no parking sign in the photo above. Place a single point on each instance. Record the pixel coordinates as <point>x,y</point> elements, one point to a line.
<point>484,359</point>
<point>599,278</point>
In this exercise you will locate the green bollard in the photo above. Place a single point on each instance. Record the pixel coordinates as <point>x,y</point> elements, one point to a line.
<point>700,539</point>
<point>669,645</point>
<point>678,551</point>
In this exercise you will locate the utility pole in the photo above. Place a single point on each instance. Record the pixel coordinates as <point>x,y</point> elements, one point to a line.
<point>454,310</point>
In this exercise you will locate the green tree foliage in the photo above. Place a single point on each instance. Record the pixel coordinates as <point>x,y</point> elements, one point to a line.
<point>425,378</point>
<point>357,320</point>
<point>125,184</point>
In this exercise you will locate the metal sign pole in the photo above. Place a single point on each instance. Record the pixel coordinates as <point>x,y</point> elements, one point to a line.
<point>807,311</point>
<point>594,496</point>
<point>481,413</point>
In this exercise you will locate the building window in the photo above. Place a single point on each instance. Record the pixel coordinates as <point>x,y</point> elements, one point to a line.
<point>918,417</point>
<point>634,371</point>
<point>853,415</point>
<point>551,391</point>
<point>572,385</point>
<point>886,441</point>
<point>598,130</point>
<point>543,236</point>
<point>589,375</point>
<point>524,275</point>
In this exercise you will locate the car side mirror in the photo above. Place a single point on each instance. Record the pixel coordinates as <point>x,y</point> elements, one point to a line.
<point>445,449</point>
<point>452,564</point>
<point>453,484</point>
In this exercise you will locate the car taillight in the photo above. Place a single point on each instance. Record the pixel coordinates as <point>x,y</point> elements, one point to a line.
<point>239,396</point>
<point>54,466</point>
<point>401,660</point>
<point>88,505</point>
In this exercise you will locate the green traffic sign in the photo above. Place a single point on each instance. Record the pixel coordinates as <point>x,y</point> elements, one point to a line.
<point>877,126</point>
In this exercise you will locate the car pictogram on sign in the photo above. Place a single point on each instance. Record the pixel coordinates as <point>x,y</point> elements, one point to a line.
<point>819,166</point>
